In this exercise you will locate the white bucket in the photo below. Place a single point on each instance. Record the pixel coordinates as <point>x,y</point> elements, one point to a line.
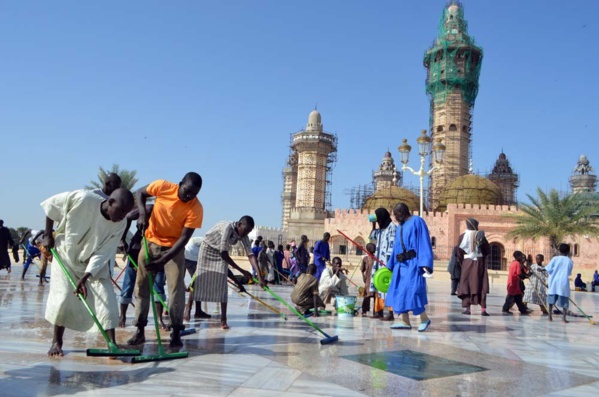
<point>346,305</point>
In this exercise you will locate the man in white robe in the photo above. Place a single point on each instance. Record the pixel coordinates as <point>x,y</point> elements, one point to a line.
<point>333,282</point>
<point>89,229</point>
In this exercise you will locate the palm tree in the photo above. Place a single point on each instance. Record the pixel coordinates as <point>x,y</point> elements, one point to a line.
<point>554,217</point>
<point>128,179</point>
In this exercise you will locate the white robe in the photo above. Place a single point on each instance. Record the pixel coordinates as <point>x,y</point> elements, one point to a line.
<point>328,279</point>
<point>85,241</point>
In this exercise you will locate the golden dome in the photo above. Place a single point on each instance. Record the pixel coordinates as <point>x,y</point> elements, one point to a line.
<point>389,197</point>
<point>470,189</point>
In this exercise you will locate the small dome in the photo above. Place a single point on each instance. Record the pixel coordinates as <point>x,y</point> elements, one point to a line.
<point>470,189</point>
<point>314,121</point>
<point>388,155</point>
<point>314,117</point>
<point>453,8</point>
<point>502,156</point>
<point>389,197</point>
<point>583,159</point>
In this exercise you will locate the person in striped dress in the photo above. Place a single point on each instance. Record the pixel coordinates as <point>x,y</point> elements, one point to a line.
<point>214,261</point>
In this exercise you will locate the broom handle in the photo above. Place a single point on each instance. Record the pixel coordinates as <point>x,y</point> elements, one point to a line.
<point>293,309</point>
<point>362,248</point>
<point>255,298</point>
<point>152,301</point>
<point>137,268</point>
<point>81,298</point>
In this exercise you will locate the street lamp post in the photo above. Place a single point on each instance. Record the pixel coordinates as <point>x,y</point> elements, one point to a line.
<point>424,149</point>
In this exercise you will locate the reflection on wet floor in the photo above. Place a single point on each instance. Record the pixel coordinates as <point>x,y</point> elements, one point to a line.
<point>414,365</point>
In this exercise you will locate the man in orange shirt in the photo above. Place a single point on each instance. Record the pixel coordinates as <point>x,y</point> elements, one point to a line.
<point>177,212</point>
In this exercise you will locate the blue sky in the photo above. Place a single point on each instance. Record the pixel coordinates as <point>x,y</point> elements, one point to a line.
<point>217,87</point>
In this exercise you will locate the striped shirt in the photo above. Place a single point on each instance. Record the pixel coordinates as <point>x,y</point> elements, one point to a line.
<point>224,235</point>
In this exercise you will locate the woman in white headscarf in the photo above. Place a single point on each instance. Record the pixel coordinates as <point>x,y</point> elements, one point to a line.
<point>474,279</point>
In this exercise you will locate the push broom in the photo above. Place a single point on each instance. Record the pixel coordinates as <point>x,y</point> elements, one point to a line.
<point>113,349</point>
<point>162,355</point>
<point>328,338</point>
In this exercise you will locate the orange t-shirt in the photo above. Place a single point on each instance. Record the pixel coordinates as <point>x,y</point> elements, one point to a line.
<point>170,215</point>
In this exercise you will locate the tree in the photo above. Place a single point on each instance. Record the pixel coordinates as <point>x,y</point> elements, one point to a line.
<point>128,178</point>
<point>554,217</point>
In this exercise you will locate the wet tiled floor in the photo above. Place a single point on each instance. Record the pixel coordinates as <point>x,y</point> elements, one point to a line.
<point>264,355</point>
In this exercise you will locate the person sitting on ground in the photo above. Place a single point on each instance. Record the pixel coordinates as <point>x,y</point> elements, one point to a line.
<point>88,232</point>
<point>366,269</point>
<point>332,282</point>
<point>559,270</point>
<point>214,261</point>
<point>305,293</point>
<point>578,283</point>
<point>514,286</point>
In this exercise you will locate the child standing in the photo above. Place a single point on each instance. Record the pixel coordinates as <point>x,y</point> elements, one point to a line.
<point>366,269</point>
<point>514,289</point>
<point>559,269</point>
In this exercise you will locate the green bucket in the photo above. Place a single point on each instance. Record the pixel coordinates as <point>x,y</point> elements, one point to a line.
<point>382,279</point>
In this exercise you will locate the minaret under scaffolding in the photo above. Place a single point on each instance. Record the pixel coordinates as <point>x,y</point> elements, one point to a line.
<point>453,67</point>
<point>307,179</point>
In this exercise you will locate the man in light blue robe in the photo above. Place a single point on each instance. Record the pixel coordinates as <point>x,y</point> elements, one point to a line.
<point>412,257</point>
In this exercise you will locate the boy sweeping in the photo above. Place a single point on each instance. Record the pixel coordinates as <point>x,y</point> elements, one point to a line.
<point>88,231</point>
<point>559,269</point>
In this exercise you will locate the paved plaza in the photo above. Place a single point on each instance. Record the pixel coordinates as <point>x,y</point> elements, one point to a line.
<point>263,355</point>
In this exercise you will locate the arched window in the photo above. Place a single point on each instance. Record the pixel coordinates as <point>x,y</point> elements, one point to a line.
<point>453,127</point>
<point>464,128</point>
<point>440,128</point>
<point>497,260</point>
<point>434,242</point>
<point>576,250</point>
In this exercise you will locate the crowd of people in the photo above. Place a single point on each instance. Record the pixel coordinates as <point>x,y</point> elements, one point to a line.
<point>84,229</point>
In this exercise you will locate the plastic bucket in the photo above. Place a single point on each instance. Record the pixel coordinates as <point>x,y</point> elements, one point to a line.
<point>382,279</point>
<point>345,305</point>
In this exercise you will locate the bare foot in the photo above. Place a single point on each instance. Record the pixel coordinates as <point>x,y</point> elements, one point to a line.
<point>164,327</point>
<point>122,321</point>
<point>565,321</point>
<point>224,325</point>
<point>55,350</point>
<point>9,270</point>
<point>137,339</point>
<point>550,318</point>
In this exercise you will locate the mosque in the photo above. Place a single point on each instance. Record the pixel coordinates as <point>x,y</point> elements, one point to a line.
<point>455,193</point>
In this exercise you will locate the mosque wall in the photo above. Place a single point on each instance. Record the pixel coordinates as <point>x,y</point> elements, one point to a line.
<point>445,228</point>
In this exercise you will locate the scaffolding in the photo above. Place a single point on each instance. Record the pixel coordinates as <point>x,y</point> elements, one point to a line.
<point>358,195</point>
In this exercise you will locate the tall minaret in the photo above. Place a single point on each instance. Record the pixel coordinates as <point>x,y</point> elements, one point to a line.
<point>453,65</point>
<point>583,178</point>
<point>315,154</point>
